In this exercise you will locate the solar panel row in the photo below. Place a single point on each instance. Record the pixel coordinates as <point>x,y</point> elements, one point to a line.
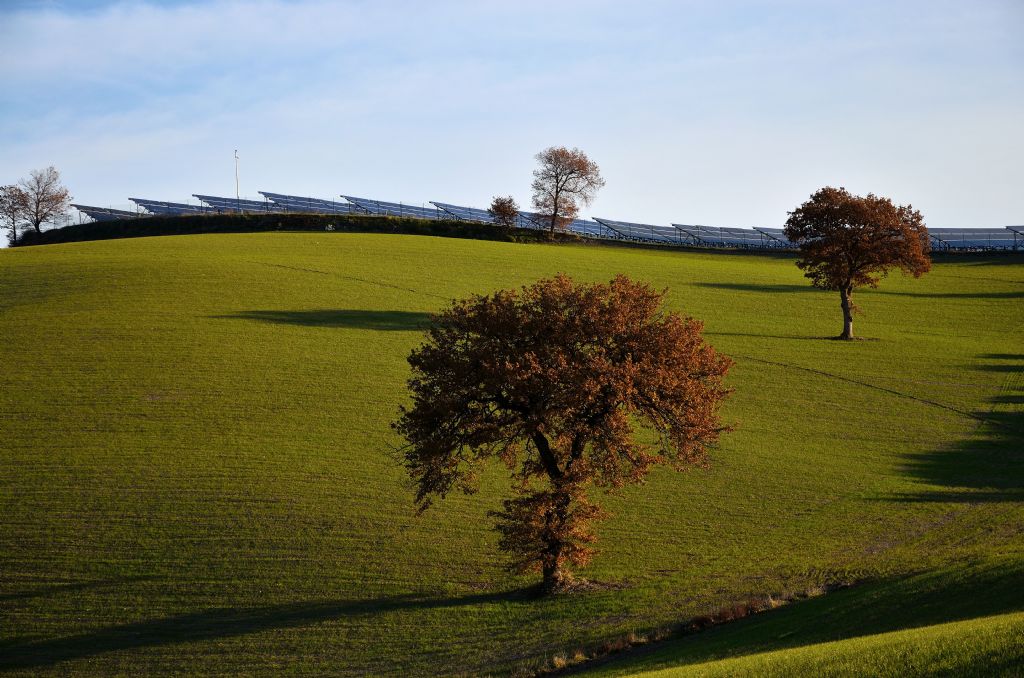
<point>396,209</point>
<point>719,236</point>
<point>975,238</point>
<point>645,232</point>
<point>170,208</point>
<point>295,203</point>
<point>774,237</point>
<point>523,219</point>
<point>1010,237</point>
<point>221,204</point>
<point>106,213</point>
<point>588,228</point>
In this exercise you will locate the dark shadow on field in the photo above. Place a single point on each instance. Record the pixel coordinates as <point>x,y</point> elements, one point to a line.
<point>951,295</point>
<point>767,336</point>
<point>1000,258</point>
<point>72,587</point>
<point>351,318</point>
<point>866,609</point>
<point>224,622</point>
<point>987,466</point>
<point>750,287</point>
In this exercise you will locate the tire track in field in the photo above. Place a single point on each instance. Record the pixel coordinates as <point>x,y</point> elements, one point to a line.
<point>934,403</point>
<point>352,277</point>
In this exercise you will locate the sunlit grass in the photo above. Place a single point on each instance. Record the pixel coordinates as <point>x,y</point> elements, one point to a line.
<point>197,470</point>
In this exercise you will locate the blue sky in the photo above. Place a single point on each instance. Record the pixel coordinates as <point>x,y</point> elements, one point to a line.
<point>720,113</point>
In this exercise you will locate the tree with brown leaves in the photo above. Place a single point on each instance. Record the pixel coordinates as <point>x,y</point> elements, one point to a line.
<point>564,179</point>
<point>46,197</point>
<point>848,241</point>
<point>551,380</point>
<point>504,211</point>
<point>13,203</point>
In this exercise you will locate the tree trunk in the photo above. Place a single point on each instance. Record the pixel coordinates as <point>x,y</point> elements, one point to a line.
<point>846,295</point>
<point>554,212</point>
<point>556,575</point>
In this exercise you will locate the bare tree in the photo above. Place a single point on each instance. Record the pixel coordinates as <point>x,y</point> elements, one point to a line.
<point>46,198</point>
<point>504,211</point>
<point>564,179</point>
<point>12,210</point>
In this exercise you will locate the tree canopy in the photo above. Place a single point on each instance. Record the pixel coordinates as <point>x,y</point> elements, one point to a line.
<point>504,211</point>
<point>13,203</point>
<point>45,197</point>
<point>565,178</point>
<point>553,380</point>
<point>848,241</point>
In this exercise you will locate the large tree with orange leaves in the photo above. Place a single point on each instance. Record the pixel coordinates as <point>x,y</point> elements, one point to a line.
<point>552,380</point>
<point>847,241</point>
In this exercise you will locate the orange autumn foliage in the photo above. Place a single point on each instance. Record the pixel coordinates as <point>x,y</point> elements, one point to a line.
<point>848,241</point>
<point>553,379</point>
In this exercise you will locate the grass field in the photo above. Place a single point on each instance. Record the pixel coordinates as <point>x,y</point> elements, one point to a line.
<point>197,472</point>
<point>985,647</point>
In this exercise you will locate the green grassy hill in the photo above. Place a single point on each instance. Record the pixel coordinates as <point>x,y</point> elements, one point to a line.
<point>197,472</point>
<point>984,647</point>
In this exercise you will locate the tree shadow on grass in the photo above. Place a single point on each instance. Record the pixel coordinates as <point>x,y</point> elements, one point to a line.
<point>350,318</point>
<point>751,287</point>
<point>71,587</point>
<point>951,295</point>
<point>989,465</point>
<point>224,622</point>
<point>767,336</point>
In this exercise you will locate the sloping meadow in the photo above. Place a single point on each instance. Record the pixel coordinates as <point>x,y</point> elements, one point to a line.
<point>197,472</point>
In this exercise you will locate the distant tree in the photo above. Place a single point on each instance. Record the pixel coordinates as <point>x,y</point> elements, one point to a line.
<point>551,380</point>
<point>564,179</point>
<point>504,211</point>
<point>13,204</point>
<point>46,197</point>
<point>848,241</point>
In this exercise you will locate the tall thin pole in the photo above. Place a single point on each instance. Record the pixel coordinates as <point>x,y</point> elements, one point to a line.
<point>237,196</point>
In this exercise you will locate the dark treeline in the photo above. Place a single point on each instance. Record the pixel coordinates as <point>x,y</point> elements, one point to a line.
<point>253,223</point>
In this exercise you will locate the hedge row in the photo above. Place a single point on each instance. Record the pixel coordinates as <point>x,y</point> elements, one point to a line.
<point>290,221</point>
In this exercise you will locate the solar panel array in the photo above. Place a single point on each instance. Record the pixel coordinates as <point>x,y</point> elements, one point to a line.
<point>721,236</point>
<point>170,208</point>
<point>589,229</point>
<point>221,204</point>
<point>523,219</point>
<point>106,213</point>
<point>774,237</point>
<point>295,203</point>
<point>965,239</point>
<point>975,238</point>
<point>396,209</point>
<point>646,232</point>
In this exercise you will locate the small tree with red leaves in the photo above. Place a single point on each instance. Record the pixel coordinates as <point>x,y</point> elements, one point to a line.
<point>552,379</point>
<point>504,211</point>
<point>848,241</point>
